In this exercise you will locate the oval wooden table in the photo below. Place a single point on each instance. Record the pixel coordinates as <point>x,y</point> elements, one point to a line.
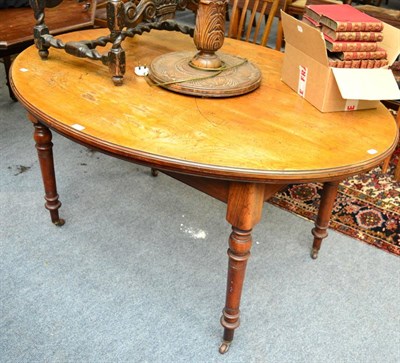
<point>239,150</point>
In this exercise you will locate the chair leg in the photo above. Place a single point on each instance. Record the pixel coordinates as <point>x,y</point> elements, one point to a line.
<point>385,165</point>
<point>397,172</point>
<point>279,36</point>
<point>7,65</point>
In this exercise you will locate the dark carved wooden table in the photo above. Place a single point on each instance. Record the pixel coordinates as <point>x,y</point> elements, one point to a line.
<point>16,26</point>
<point>239,150</point>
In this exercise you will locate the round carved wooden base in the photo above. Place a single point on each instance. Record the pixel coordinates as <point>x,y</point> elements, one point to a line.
<point>174,72</point>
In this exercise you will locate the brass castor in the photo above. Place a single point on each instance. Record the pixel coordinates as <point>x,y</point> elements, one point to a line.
<point>224,347</point>
<point>154,172</point>
<point>314,253</point>
<point>60,222</point>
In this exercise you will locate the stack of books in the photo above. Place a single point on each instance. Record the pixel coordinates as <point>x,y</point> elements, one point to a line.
<point>352,37</point>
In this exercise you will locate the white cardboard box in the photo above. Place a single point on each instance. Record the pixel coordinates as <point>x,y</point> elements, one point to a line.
<point>306,71</point>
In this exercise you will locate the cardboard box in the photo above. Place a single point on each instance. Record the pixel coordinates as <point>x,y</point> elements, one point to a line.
<point>306,71</point>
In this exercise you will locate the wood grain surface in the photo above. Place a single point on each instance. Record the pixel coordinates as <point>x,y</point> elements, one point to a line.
<point>270,135</point>
<point>17,23</point>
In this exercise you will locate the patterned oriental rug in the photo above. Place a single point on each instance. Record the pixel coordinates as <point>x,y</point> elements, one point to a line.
<point>367,206</point>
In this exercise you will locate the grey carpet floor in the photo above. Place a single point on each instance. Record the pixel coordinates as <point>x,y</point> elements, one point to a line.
<point>137,273</point>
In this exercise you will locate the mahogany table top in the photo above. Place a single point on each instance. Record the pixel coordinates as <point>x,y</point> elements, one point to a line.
<point>269,135</point>
<point>17,23</point>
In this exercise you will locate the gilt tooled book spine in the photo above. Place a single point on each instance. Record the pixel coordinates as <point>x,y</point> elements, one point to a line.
<point>381,63</point>
<point>353,36</point>
<point>338,46</point>
<point>357,63</point>
<point>378,54</point>
<point>373,63</point>
<point>339,64</point>
<point>347,64</point>
<point>351,26</point>
<point>332,62</point>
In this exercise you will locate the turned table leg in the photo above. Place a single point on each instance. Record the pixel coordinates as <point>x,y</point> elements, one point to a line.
<point>245,202</point>
<point>44,146</point>
<point>320,231</point>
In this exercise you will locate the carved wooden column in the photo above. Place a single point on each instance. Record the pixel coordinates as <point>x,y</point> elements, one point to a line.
<point>245,203</point>
<point>43,136</point>
<point>209,33</point>
<point>320,231</point>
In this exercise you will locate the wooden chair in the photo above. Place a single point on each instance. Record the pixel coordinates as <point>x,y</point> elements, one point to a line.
<point>249,17</point>
<point>16,30</point>
<point>387,160</point>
